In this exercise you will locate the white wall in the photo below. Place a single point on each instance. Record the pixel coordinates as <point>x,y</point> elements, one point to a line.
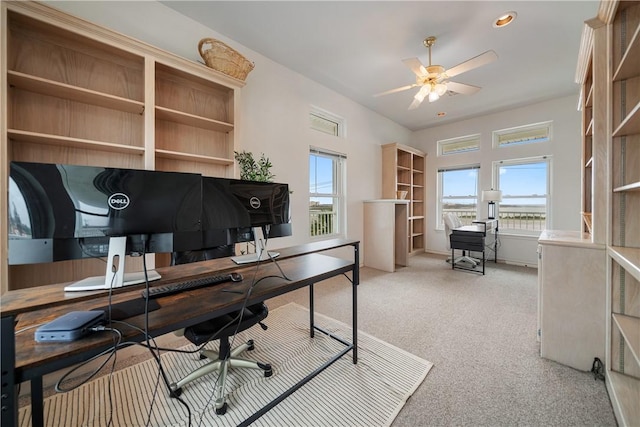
<point>274,109</point>
<point>564,149</point>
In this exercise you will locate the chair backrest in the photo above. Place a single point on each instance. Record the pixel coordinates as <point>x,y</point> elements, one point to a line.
<point>451,221</point>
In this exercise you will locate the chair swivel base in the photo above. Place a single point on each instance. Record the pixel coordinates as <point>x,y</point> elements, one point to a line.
<point>221,366</point>
<point>473,262</point>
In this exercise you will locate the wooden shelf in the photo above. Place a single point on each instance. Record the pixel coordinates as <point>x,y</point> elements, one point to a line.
<point>64,141</point>
<point>73,93</point>
<point>589,162</point>
<point>77,93</point>
<point>617,53</point>
<point>589,131</point>
<point>628,258</point>
<point>626,392</point>
<point>630,61</point>
<point>629,326</point>
<point>631,123</point>
<point>635,186</point>
<point>180,117</point>
<point>176,155</point>
<point>589,100</point>
<point>403,170</point>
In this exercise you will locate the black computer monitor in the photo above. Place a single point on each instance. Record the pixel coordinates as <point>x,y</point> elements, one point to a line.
<point>250,208</point>
<point>233,208</point>
<point>60,212</point>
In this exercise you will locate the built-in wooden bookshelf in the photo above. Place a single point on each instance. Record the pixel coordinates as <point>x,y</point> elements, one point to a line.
<point>81,94</point>
<point>403,170</point>
<point>615,50</point>
<point>624,248</point>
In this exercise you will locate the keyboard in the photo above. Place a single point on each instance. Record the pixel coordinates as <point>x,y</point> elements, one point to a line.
<point>174,288</point>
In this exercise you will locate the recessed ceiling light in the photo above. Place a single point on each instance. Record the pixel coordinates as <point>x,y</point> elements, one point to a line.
<point>504,19</point>
<point>441,114</point>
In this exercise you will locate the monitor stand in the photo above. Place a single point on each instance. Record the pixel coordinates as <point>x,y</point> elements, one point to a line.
<point>261,253</point>
<point>115,277</point>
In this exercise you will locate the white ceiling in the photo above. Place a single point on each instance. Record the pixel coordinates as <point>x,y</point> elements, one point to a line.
<point>356,48</point>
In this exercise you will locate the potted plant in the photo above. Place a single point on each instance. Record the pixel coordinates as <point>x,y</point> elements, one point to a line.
<point>252,169</point>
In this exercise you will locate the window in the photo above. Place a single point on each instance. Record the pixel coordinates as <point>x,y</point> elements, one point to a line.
<point>525,194</point>
<point>326,193</point>
<point>462,144</point>
<point>326,122</point>
<point>458,192</point>
<point>537,132</point>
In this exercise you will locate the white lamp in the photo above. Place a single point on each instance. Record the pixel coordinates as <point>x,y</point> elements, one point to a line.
<point>492,196</point>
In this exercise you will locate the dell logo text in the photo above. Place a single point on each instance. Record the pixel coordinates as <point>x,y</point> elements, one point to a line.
<point>118,201</point>
<point>254,202</point>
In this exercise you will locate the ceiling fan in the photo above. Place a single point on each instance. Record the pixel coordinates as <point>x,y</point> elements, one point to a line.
<point>433,80</point>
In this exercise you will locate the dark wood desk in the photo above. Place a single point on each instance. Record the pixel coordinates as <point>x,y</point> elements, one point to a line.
<point>25,360</point>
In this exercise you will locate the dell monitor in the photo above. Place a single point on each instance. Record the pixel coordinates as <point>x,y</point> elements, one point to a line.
<point>60,212</point>
<point>237,209</point>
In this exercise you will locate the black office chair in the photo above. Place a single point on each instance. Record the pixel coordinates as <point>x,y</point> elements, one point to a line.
<point>220,328</point>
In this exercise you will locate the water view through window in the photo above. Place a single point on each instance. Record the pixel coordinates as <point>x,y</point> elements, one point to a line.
<point>523,184</point>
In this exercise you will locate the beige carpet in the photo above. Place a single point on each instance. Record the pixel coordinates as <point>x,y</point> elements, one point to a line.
<point>370,393</point>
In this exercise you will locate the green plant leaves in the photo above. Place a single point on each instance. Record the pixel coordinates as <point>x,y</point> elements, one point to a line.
<point>252,170</point>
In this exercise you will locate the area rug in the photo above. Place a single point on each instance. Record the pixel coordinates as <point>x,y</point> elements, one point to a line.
<point>370,393</point>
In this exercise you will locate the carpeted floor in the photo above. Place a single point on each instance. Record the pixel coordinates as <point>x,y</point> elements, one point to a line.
<point>369,393</point>
<point>480,333</point>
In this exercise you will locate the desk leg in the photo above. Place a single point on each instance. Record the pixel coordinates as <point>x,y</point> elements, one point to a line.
<point>9,389</point>
<point>37,406</point>
<point>355,281</point>
<point>495,246</point>
<point>312,329</point>
<point>453,257</point>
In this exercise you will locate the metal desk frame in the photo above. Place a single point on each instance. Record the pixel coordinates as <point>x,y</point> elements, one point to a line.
<point>309,266</point>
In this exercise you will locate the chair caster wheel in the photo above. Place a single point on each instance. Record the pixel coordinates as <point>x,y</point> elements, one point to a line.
<point>250,344</point>
<point>223,410</point>
<point>268,373</point>
<point>175,392</point>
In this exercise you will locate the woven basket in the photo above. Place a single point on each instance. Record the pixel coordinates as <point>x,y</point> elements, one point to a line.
<point>225,59</point>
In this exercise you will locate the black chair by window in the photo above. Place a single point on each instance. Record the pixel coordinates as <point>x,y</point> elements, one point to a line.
<point>221,328</point>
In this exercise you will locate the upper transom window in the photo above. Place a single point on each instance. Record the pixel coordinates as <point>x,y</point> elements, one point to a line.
<point>537,132</point>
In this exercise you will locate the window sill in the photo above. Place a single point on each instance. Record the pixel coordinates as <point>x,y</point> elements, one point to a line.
<point>519,234</point>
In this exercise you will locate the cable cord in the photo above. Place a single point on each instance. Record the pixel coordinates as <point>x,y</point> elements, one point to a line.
<point>156,356</point>
<point>239,317</point>
<point>58,386</point>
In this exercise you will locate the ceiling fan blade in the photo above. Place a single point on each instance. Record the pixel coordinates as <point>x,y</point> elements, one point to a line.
<point>415,104</point>
<point>462,88</point>
<point>419,97</point>
<point>398,89</point>
<point>478,61</point>
<point>415,65</point>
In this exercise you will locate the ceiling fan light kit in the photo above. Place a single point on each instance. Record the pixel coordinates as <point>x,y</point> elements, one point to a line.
<point>433,79</point>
